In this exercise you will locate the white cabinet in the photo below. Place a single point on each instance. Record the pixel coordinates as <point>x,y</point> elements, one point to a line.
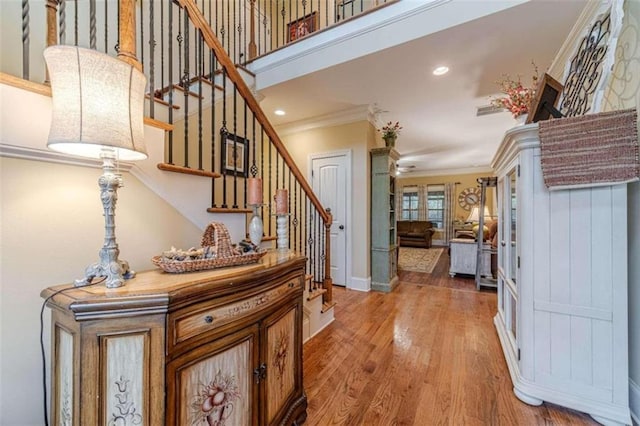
<point>562,286</point>
<point>464,256</point>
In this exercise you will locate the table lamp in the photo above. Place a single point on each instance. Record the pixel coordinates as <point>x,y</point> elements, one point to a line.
<point>98,104</point>
<point>474,216</point>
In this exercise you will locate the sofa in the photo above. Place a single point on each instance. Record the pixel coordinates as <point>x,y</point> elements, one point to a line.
<point>415,233</point>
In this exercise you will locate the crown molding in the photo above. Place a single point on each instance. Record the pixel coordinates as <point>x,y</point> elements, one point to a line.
<point>13,151</point>
<point>446,172</point>
<point>345,116</point>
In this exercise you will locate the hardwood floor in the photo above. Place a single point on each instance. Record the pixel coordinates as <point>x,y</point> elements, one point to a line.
<point>425,354</point>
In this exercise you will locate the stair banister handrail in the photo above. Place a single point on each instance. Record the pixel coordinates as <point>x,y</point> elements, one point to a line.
<point>223,59</point>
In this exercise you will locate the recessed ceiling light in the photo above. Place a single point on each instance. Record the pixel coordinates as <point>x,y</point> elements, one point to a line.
<point>279,112</point>
<point>441,70</point>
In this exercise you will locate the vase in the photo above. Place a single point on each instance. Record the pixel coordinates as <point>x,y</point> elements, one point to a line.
<point>521,119</point>
<point>256,228</point>
<point>390,141</point>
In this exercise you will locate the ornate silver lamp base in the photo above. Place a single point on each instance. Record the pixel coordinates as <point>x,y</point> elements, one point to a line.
<point>114,270</point>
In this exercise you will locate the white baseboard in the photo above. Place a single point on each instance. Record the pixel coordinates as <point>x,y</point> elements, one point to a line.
<point>634,401</point>
<point>360,284</point>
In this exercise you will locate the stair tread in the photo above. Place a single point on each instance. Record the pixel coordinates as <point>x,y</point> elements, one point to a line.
<point>210,83</point>
<point>162,101</point>
<point>228,210</point>
<point>186,170</point>
<point>182,89</point>
<point>327,306</point>
<point>316,293</point>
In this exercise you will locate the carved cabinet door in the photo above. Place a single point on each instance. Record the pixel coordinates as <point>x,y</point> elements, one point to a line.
<point>282,350</point>
<point>214,384</point>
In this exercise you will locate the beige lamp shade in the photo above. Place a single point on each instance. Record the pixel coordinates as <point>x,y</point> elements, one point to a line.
<point>98,102</point>
<point>474,216</point>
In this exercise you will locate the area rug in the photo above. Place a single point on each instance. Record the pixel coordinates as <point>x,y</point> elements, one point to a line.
<point>418,259</point>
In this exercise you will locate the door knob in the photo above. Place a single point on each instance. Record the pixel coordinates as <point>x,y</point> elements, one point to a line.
<point>341,227</point>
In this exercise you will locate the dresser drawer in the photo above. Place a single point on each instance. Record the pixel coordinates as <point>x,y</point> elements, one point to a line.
<point>189,322</point>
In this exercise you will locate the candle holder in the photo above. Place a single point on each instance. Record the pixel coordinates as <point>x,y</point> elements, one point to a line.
<point>256,227</point>
<point>282,243</point>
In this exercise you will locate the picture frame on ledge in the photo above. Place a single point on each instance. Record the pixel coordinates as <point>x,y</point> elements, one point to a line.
<point>544,103</point>
<point>234,155</point>
<point>301,27</point>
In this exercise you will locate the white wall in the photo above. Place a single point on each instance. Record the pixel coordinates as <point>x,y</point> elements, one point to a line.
<point>52,227</point>
<point>352,136</point>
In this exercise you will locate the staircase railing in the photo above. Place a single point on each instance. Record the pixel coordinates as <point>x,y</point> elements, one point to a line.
<point>219,130</point>
<point>245,28</point>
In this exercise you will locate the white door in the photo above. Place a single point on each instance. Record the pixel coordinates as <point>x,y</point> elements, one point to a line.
<point>329,182</point>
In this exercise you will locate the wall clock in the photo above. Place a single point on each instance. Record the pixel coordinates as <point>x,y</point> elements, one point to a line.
<point>469,197</point>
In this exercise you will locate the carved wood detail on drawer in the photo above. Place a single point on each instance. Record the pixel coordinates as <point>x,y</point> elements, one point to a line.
<point>210,319</point>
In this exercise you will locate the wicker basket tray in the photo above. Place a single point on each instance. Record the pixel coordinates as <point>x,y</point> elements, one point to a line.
<point>216,237</point>
<point>181,266</point>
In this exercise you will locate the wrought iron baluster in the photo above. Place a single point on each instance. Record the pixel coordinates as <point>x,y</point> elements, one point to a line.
<point>235,146</point>
<point>62,18</point>
<point>290,216</point>
<point>141,18</point>
<point>262,167</point>
<point>234,57</point>
<point>284,27</point>
<point>295,216</point>
<point>92,24</point>
<point>223,135</point>
<point>229,28</point>
<point>246,172</point>
<point>269,160</point>
<point>25,39</point>
<point>199,57</point>
<point>277,168</point>
<point>106,27</point>
<point>170,75</point>
<point>185,87</point>
<point>213,61</point>
<point>117,46</point>
<point>75,22</point>
<point>152,46</point>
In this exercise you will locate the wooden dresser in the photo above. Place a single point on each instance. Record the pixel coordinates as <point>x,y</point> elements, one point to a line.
<point>182,349</point>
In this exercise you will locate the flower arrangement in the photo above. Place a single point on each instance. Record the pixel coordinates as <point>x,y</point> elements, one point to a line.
<point>390,130</point>
<point>519,98</point>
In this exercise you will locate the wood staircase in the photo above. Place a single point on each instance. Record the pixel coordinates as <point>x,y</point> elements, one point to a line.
<point>215,128</point>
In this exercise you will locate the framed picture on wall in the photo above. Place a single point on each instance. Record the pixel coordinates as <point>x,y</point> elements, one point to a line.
<point>234,155</point>
<point>301,27</point>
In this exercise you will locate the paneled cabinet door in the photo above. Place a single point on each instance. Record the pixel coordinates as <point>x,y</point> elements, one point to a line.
<point>282,348</point>
<point>214,384</point>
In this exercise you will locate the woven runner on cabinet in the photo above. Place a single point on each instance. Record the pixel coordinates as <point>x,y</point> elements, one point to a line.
<point>590,150</point>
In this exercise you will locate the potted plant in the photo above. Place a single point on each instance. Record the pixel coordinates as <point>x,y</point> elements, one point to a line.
<point>390,132</point>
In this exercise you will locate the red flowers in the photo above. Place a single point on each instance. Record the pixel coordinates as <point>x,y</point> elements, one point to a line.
<point>390,130</point>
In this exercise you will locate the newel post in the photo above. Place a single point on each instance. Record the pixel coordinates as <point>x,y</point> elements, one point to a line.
<point>127,34</point>
<point>253,50</point>
<point>52,22</point>
<point>52,28</point>
<point>328,282</point>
